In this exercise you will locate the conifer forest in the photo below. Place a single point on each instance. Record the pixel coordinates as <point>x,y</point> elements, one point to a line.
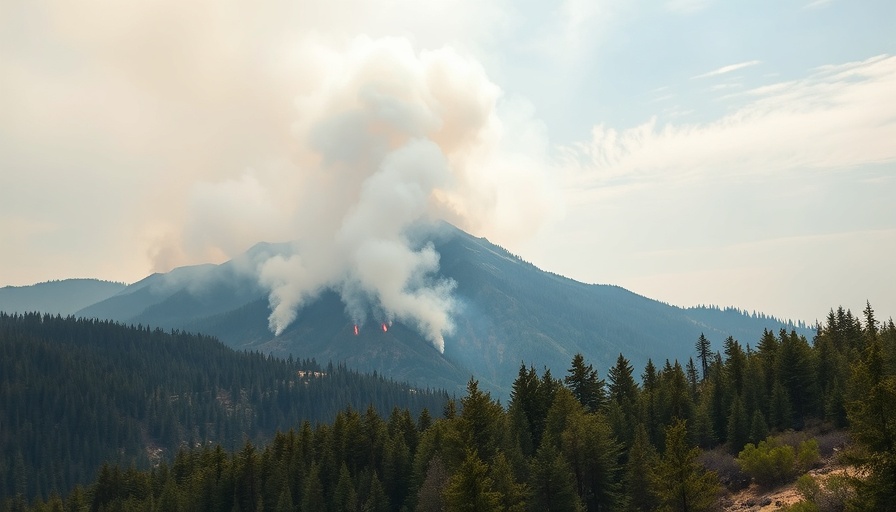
<point>98,416</point>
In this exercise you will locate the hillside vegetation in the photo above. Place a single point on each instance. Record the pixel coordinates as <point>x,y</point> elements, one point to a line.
<point>577,442</point>
<point>77,393</point>
<point>506,311</point>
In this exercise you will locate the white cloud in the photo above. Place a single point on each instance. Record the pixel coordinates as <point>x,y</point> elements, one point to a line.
<point>817,4</point>
<point>687,6</point>
<point>728,69</point>
<point>838,117</point>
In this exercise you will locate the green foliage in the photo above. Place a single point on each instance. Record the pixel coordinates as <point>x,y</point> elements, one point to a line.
<point>642,458</point>
<point>834,496</point>
<point>550,449</point>
<point>872,414</point>
<point>471,488</point>
<point>552,482</point>
<point>679,482</point>
<point>585,386</point>
<point>738,426</point>
<point>773,463</point>
<point>77,393</point>
<point>704,353</point>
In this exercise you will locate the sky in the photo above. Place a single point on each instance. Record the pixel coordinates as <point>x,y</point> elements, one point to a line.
<point>693,151</point>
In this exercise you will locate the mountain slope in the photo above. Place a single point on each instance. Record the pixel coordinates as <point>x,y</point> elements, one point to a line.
<point>509,312</point>
<point>77,393</point>
<point>62,297</point>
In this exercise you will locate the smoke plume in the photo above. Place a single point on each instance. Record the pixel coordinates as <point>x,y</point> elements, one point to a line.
<point>384,138</point>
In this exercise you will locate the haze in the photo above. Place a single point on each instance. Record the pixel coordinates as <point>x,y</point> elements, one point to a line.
<point>733,153</point>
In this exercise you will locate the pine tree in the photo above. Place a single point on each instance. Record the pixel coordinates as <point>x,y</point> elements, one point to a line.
<point>872,416</point>
<point>592,453</point>
<point>623,400</point>
<point>471,489</point>
<point>514,495</point>
<point>344,496</point>
<point>482,425</point>
<point>738,426</point>
<point>758,427</point>
<point>704,353</point>
<point>585,386</point>
<point>552,481</point>
<point>376,501</point>
<point>313,491</point>
<point>430,495</point>
<point>680,482</point>
<point>735,365</point>
<point>638,487</point>
<point>779,411</point>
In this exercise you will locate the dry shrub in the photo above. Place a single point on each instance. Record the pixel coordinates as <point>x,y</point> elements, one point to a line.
<point>724,465</point>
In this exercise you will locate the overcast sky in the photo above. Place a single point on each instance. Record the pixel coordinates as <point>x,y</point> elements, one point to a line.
<point>693,151</point>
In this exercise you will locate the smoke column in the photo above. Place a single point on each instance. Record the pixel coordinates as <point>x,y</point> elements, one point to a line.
<point>383,138</point>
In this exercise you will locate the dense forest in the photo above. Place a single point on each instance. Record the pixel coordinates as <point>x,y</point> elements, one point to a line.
<point>77,393</point>
<point>666,439</point>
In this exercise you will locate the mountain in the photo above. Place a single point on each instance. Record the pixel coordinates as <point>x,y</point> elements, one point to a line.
<point>56,297</point>
<point>510,312</point>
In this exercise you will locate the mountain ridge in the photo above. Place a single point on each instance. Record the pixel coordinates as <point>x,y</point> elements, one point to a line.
<point>509,312</point>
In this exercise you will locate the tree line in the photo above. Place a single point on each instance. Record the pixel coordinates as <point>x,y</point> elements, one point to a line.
<point>575,442</point>
<point>77,393</point>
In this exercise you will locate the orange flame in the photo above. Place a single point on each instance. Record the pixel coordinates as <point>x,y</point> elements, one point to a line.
<point>385,328</point>
<point>356,329</point>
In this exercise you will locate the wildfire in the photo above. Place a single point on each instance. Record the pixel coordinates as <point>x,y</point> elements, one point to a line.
<point>356,329</point>
<point>385,328</point>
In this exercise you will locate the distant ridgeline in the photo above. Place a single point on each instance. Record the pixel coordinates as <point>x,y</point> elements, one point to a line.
<point>76,393</point>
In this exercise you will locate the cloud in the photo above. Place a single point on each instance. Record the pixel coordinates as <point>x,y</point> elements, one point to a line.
<point>728,69</point>
<point>838,117</point>
<point>816,4</point>
<point>687,6</point>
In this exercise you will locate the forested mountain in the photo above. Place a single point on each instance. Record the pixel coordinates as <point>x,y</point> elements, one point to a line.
<point>57,297</point>
<point>623,442</point>
<point>76,393</point>
<point>510,311</point>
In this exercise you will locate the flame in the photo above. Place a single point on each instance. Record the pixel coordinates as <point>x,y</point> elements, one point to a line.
<point>385,328</point>
<point>356,329</point>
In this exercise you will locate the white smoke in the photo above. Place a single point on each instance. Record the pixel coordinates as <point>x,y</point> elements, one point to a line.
<point>384,138</point>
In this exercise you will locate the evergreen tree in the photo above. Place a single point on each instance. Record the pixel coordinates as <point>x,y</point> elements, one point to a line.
<point>585,386</point>
<point>738,426</point>
<point>675,395</point>
<point>376,501</point>
<point>650,407</point>
<point>735,366</point>
<point>693,379</point>
<point>758,427</point>
<point>552,481</point>
<point>642,458</point>
<point>680,482</point>
<point>704,353</point>
<point>482,425</point>
<point>796,368</point>
<point>514,495</point>
<point>430,495</point>
<point>471,489</point>
<point>313,498</point>
<point>872,416</point>
<point>780,413</point>
<point>592,453</point>
<point>623,400</point>
<point>345,497</point>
